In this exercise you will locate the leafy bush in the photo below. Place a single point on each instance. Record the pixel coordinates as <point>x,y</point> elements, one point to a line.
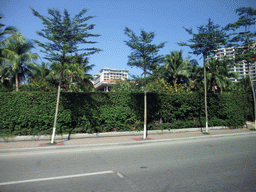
<point>32,113</point>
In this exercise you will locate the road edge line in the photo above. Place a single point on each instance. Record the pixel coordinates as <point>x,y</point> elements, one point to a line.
<point>54,178</point>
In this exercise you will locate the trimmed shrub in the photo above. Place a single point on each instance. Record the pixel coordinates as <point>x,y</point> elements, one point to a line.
<point>32,113</point>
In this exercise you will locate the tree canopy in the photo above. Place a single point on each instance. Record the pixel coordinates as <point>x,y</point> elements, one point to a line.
<point>18,57</point>
<point>144,54</point>
<point>65,34</point>
<point>209,37</point>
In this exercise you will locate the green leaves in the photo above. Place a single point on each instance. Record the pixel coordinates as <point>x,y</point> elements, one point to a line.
<point>144,54</point>
<point>245,41</point>
<point>247,16</point>
<point>218,73</point>
<point>209,37</point>
<point>16,53</point>
<point>175,69</point>
<point>33,112</point>
<point>64,34</point>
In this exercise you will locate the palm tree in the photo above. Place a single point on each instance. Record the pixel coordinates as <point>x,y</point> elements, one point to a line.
<point>73,73</point>
<point>175,68</point>
<point>218,74</point>
<point>17,56</point>
<point>5,78</point>
<point>196,75</point>
<point>86,83</point>
<point>41,80</point>
<point>78,69</point>
<point>4,72</point>
<point>41,72</point>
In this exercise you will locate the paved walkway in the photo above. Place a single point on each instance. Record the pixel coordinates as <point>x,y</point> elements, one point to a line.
<point>112,139</point>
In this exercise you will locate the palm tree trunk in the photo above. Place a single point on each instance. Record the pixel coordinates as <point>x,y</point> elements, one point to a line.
<point>175,84</point>
<point>205,97</point>
<point>145,107</point>
<point>71,81</point>
<point>16,82</point>
<point>56,112</point>
<point>71,78</point>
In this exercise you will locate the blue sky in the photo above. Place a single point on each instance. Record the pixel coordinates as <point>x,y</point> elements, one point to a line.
<point>165,18</point>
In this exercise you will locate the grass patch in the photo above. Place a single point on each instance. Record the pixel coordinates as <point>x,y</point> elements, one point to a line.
<point>54,143</point>
<point>206,133</point>
<point>252,129</point>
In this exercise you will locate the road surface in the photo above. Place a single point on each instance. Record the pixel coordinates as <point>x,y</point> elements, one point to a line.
<point>203,164</point>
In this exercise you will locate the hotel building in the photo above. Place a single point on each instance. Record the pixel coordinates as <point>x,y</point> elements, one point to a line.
<point>107,77</point>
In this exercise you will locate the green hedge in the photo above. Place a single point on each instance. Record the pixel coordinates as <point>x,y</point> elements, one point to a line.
<point>32,113</point>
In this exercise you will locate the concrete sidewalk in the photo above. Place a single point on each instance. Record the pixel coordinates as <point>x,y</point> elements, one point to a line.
<point>113,140</point>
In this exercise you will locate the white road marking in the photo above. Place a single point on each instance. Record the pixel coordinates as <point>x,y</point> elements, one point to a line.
<point>54,178</point>
<point>120,175</point>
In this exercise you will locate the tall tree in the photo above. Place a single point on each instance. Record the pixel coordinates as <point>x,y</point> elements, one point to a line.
<point>145,56</point>
<point>245,41</point>
<point>176,68</point>
<point>64,34</point>
<point>209,37</point>
<point>18,58</point>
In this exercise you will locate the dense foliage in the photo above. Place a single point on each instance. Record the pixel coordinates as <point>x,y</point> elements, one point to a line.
<point>32,113</point>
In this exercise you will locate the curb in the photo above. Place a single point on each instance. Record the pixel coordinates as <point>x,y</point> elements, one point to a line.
<point>111,134</point>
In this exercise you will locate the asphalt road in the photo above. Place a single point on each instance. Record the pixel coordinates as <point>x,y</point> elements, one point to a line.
<point>204,164</point>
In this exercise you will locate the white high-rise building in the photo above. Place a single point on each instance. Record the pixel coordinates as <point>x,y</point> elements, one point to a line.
<point>107,77</point>
<point>242,68</point>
